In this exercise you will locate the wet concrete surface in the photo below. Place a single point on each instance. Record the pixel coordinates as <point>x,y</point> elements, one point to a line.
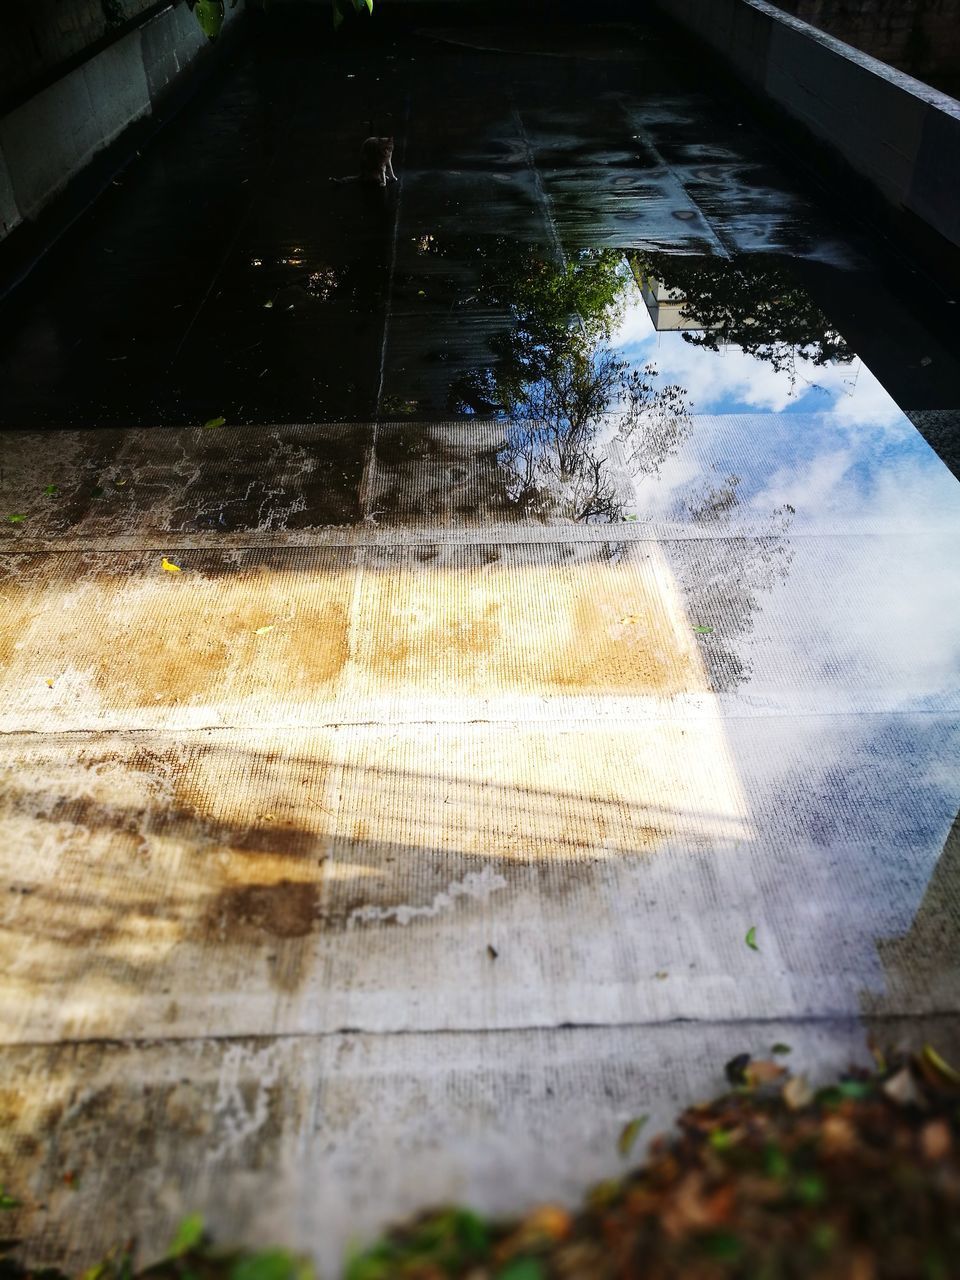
<point>392,772</point>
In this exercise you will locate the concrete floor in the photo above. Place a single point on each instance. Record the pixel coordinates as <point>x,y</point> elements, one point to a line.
<point>398,842</point>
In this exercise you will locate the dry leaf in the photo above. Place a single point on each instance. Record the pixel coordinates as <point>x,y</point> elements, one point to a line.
<point>936,1140</point>
<point>902,1089</point>
<point>169,566</point>
<point>765,1072</point>
<point>797,1093</point>
<point>262,631</point>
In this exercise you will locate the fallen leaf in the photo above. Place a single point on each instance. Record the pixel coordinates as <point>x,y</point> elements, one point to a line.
<point>169,566</point>
<point>901,1088</point>
<point>16,517</point>
<point>797,1093</point>
<point>629,1134</point>
<point>214,422</point>
<point>522,1269</point>
<point>550,1221</point>
<point>52,489</point>
<point>764,1072</point>
<point>781,1048</point>
<point>49,683</point>
<point>8,1201</point>
<point>937,1067</point>
<point>262,631</point>
<point>735,1070</point>
<point>268,304</point>
<point>936,1140</point>
<point>629,620</point>
<point>188,1236</point>
<point>119,483</point>
<point>703,631</point>
<point>751,938</point>
<point>492,951</point>
<point>661,975</point>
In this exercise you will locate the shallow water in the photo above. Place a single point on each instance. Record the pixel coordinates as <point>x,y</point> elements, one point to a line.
<point>393,772</point>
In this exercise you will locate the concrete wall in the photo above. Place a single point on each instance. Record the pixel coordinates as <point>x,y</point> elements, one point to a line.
<point>53,136</point>
<point>918,36</point>
<point>899,135</point>
<point>37,36</point>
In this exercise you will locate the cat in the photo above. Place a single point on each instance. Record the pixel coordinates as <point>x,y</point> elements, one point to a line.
<point>376,163</point>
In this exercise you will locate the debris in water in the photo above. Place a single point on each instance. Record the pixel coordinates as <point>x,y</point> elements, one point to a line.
<point>751,938</point>
<point>169,566</point>
<point>262,631</point>
<point>214,422</point>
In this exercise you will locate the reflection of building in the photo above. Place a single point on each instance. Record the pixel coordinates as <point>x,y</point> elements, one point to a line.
<point>664,305</point>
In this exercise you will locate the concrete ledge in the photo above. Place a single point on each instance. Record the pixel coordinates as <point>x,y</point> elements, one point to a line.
<point>47,141</point>
<point>899,135</point>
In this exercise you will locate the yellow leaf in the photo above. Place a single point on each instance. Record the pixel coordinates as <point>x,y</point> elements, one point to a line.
<point>169,566</point>
<point>262,631</point>
<point>49,683</point>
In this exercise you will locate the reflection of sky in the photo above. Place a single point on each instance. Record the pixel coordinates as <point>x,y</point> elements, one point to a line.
<point>732,381</point>
<point>834,445</point>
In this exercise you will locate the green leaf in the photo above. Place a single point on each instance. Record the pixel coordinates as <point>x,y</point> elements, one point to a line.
<point>7,1201</point>
<point>781,1048</point>
<point>52,489</point>
<point>522,1269</point>
<point>629,1134</point>
<point>855,1089</point>
<point>811,1189</point>
<point>704,631</point>
<point>272,1264</point>
<point>16,517</point>
<point>209,16</point>
<point>751,938</point>
<point>722,1245</point>
<point>214,422</point>
<point>775,1163</point>
<point>369,4</point>
<point>188,1235</point>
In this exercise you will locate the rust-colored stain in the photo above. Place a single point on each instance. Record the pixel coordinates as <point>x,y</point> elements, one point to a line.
<point>562,628</point>
<point>287,909</point>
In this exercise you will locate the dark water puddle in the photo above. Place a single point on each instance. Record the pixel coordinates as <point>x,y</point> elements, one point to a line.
<point>225,274</point>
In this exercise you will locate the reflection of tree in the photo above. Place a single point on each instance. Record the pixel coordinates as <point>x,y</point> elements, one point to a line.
<point>565,392</point>
<point>556,455</point>
<point>731,572</point>
<point>758,307</point>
